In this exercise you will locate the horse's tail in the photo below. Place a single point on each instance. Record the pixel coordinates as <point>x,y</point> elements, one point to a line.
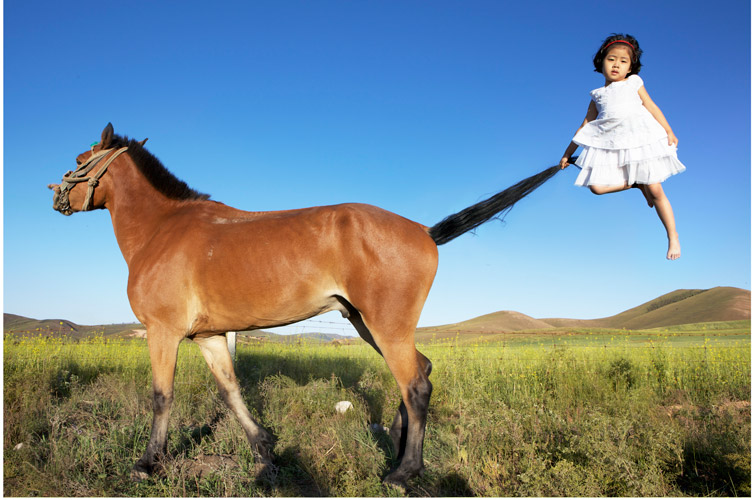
<point>466,220</point>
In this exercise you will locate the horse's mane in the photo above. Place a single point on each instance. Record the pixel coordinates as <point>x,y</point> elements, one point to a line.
<point>155,172</point>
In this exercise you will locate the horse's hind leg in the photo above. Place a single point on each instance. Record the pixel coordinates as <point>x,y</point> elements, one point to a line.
<point>218,358</point>
<point>163,351</point>
<point>411,370</point>
<point>399,427</point>
<point>405,363</point>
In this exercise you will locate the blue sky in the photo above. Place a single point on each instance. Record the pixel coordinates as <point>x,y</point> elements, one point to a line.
<point>421,108</point>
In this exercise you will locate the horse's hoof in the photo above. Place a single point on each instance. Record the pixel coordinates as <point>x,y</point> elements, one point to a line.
<point>266,473</point>
<point>263,457</point>
<point>263,446</point>
<point>141,470</point>
<point>397,480</point>
<point>138,474</point>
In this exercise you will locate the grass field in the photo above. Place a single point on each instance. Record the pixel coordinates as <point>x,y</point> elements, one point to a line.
<point>590,413</point>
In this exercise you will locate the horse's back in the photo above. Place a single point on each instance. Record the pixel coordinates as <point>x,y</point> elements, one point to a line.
<point>315,227</point>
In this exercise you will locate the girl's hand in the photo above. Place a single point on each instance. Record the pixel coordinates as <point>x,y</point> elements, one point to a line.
<point>564,162</point>
<point>672,139</point>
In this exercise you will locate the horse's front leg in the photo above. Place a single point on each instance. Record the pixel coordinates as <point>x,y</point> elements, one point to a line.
<point>163,351</point>
<point>218,359</point>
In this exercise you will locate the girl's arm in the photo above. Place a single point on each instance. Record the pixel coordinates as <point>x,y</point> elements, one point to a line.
<point>591,115</point>
<point>657,114</point>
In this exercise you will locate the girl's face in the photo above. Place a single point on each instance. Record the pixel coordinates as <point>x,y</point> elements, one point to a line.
<point>616,63</point>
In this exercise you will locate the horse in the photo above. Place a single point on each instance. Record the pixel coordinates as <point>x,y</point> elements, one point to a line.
<point>198,268</point>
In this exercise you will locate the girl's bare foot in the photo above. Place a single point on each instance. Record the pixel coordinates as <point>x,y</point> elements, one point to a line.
<point>673,253</point>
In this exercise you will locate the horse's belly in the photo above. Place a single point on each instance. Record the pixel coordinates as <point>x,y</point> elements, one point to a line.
<point>223,292</point>
<point>248,296</point>
<point>260,310</point>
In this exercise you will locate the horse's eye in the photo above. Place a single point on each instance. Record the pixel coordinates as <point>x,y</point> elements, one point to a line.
<point>78,162</point>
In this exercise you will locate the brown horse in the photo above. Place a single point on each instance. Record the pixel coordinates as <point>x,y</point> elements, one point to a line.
<point>198,268</point>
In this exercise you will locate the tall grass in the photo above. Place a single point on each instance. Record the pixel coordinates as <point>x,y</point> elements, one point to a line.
<point>571,418</point>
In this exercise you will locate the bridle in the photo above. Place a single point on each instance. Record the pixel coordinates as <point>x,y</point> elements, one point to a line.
<point>70,179</point>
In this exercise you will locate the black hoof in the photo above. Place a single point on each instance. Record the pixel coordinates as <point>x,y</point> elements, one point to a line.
<point>397,479</point>
<point>140,473</point>
<point>399,485</point>
<point>400,476</point>
<point>263,446</point>
<point>144,468</point>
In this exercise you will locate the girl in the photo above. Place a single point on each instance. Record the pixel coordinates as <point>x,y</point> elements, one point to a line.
<point>627,142</point>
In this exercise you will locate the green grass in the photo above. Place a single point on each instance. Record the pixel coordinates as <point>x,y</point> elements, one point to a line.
<point>597,413</point>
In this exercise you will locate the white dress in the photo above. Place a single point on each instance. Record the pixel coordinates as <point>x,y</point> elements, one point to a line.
<point>624,142</point>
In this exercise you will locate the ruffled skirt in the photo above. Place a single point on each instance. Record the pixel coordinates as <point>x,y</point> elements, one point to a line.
<point>647,164</point>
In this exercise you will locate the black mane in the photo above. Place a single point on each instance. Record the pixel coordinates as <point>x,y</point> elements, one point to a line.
<point>155,172</point>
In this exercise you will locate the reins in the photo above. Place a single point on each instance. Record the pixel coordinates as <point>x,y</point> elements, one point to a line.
<point>70,179</point>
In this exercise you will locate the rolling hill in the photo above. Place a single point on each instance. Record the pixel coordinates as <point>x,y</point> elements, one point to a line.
<point>24,326</point>
<point>675,308</point>
<point>13,323</point>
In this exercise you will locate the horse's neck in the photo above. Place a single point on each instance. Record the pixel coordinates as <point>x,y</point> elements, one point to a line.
<point>137,209</point>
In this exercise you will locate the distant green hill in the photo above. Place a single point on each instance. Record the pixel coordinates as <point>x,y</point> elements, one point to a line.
<point>675,308</point>
<point>21,325</point>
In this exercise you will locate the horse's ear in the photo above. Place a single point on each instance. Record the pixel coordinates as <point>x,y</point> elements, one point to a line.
<point>107,134</point>
<point>141,143</point>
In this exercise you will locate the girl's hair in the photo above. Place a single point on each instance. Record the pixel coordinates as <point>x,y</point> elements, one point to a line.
<point>623,40</point>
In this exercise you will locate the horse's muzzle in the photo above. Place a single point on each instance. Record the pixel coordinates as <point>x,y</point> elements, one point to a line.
<point>60,203</point>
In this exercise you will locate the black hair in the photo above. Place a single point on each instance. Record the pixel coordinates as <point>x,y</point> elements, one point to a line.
<point>631,44</point>
<point>155,172</point>
<point>466,220</point>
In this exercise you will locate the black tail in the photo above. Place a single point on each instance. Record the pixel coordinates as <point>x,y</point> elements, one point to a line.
<point>466,220</point>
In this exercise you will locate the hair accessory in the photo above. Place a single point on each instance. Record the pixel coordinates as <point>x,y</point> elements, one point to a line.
<point>619,41</point>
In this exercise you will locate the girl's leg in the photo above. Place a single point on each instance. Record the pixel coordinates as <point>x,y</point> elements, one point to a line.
<point>646,194</point>
<point>667,216</point>
<point>598,189</point>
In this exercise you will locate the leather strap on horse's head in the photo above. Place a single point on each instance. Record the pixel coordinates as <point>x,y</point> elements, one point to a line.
<point>70,179</point>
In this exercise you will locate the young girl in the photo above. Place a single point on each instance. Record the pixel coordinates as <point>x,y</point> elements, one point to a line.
<point>627,142</point>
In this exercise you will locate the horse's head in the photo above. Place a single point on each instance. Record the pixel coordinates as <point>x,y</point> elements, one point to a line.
<point>77,190</point>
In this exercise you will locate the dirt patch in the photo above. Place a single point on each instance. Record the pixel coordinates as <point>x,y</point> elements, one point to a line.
<point>735,407</point>
<point>139,334</point>
<point>688,410</point>
<point>203,465</point>
<point>673,410</point>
